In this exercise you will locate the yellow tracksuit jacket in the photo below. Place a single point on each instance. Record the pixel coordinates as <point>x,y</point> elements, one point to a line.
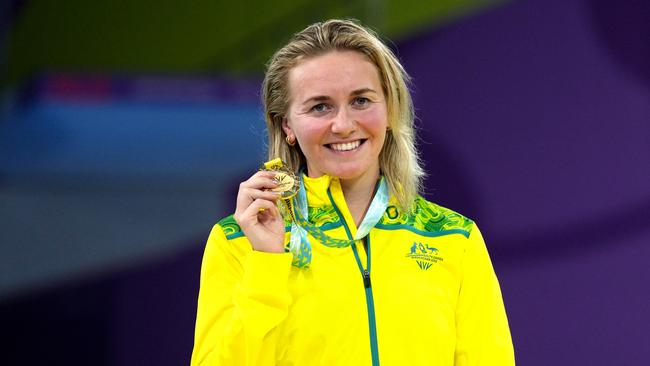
<point>424,293</point>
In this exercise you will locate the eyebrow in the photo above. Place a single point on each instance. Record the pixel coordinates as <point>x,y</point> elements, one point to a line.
<point>322,98</point>
<point>363,91</point>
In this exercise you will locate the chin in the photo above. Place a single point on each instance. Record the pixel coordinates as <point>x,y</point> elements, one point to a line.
<point>352,172</point>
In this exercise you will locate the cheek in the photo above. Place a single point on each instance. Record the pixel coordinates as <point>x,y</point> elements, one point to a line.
<point>310,132</point>
<point>376,121</point>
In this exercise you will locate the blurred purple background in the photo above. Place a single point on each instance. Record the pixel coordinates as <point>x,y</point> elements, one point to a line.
<point>534,120</point>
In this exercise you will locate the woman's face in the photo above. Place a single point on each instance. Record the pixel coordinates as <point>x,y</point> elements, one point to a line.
<point>337,112</point>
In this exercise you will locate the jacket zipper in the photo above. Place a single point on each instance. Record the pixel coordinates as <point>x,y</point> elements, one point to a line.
<point>367,284</point>
<point>370,303</point>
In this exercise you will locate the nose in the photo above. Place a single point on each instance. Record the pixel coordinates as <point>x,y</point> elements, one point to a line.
<point>343,123</point>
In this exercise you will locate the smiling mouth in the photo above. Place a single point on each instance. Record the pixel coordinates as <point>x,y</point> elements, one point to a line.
<point>346,146</point>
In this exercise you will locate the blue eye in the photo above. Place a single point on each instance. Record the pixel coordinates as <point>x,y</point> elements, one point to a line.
<point>361,101</point>
<point>319,108</point>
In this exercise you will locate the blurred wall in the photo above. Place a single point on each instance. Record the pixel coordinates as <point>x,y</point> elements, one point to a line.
<point>535,121</point>
<point>109,186</point>
<point>98,173</point>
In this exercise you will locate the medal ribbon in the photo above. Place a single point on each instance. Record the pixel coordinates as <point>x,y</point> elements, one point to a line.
<point>299,244</point>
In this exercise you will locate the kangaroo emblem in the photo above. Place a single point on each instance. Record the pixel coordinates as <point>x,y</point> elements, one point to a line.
<point>432,249</point>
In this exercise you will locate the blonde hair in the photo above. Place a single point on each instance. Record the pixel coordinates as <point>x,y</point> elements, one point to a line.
<point>398,159</point>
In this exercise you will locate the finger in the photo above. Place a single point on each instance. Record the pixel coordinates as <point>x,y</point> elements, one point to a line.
<point>269,213</point>
<point>250,214</point>
<point>265,173</point>
<point>262,179</point>
<point>259,185</point>
<point>247,195</point>
<point>252,189</point>
<point>266,195</point>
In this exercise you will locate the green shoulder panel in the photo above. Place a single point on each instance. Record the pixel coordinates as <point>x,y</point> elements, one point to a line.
<point>426,218</point>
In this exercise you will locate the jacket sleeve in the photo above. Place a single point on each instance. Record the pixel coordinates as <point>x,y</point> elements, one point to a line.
<point>243,297</point>
<point>482,332</point>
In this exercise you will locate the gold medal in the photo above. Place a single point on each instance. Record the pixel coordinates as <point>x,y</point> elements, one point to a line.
<point>288,183</point>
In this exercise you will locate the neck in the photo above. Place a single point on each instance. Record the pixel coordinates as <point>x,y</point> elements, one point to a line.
<point>358,194</point>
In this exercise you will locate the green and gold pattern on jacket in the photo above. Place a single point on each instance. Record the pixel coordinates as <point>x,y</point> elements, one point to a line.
<point>324,217</point>
<point>426,217</point>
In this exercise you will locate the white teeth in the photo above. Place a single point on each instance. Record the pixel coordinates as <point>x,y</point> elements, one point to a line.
<point>347,146</point>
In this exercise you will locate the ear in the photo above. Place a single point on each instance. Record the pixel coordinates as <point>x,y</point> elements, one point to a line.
<point>286,128</point>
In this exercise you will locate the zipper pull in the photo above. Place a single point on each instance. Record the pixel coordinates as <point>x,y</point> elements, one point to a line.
<point>366,278</point>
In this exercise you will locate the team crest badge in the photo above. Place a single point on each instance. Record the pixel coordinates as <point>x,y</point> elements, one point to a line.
<point>424,255</point>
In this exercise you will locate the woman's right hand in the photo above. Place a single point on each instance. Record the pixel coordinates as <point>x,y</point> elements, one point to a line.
<point>257,213</point>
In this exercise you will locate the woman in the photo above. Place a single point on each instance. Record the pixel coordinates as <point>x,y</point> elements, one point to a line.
<point>369,272</point>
